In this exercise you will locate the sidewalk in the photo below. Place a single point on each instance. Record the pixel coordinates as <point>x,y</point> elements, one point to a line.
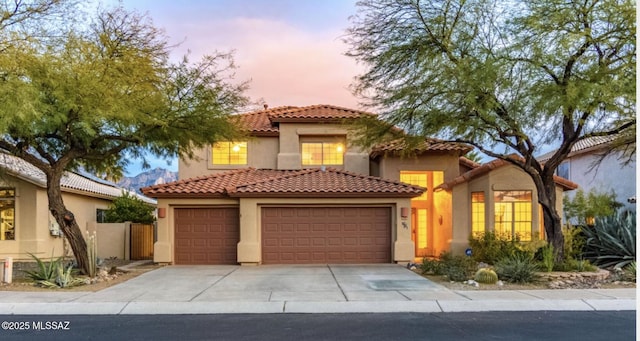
<point>310,289</point>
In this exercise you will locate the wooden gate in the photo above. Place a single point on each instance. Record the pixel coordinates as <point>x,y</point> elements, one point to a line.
<point>141,241</point>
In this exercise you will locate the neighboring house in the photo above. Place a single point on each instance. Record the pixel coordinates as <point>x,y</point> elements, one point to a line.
<point>590,165</point>
<point>298,191</point>
<point>26,226</point>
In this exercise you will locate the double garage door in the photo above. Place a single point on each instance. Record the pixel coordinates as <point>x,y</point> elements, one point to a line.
<point>290,235</point>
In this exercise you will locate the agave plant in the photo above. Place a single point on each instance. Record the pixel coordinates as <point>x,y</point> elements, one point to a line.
<point>46,271</point>
<point>612,240</point>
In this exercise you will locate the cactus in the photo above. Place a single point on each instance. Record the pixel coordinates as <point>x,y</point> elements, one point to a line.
<point>92,254</point>
<point>486,276</point>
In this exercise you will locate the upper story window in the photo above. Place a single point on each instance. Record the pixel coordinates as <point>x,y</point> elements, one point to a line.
<point>229,153</point>
<point>7,214</point>
<point>563,170</point>
<point>323,153</point>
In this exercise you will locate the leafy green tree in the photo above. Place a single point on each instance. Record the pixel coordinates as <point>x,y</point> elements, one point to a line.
<point>105,92</point>
<point>129,208</point>
<point>503,76</point>
<point>584,208</point>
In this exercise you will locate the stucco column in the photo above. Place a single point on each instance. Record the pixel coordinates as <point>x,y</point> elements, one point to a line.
<point>249,247</point>
<point>403,247</point>
<point>162,248</point>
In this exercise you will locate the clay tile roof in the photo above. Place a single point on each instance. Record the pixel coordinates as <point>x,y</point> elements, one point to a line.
<point>314,113</point>
<point>488,167</point>
<point>70,181</point>
<point>327,183</point>
<point>258,123</point>
<point>293,183</point>
<point>429,144</point>
<point>214,185</point>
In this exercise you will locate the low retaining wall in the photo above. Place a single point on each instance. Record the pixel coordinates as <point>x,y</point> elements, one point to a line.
<point>560,280</point>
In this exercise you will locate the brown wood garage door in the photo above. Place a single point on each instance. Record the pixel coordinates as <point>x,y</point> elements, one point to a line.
<point>316,235</point>
<point>206,235</point>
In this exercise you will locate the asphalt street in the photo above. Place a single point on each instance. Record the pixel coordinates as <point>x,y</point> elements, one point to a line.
<point>540,325</point>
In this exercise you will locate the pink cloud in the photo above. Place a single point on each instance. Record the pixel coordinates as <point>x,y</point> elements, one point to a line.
<point>286,65</point>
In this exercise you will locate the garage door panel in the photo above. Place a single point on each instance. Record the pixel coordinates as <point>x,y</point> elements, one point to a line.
<point>206,235</point>
<point>333,236</point>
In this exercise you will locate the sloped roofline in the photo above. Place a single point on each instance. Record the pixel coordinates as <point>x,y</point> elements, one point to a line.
<point>318,182</point>
<point>71,182</point>
<point>483,169</point>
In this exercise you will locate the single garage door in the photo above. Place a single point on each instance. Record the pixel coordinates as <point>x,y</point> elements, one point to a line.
<point>206,235</point>
<point>316,235</point>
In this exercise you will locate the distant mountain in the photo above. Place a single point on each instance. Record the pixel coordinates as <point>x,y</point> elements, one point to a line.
<point>149,178</point>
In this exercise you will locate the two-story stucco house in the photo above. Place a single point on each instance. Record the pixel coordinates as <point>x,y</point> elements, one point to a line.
<point>298,191</point>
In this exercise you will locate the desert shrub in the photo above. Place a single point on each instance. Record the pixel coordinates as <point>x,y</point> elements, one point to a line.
<point>574,241</point>
<point>430,266</point>
<point>517,268</point>
<point>547,258</point>
<point>490,247</point>
<point>456,268</point>
<point>45,271</point>
<point>53,274</point>
<point>631,271</point>
<point>65,278</point>
<point>486,276</point>
<point>612,240</point>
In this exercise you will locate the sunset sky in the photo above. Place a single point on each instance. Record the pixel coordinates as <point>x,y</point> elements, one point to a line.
<point>290,50</point>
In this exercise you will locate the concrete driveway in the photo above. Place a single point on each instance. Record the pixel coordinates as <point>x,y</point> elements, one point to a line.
<point>275,283</point>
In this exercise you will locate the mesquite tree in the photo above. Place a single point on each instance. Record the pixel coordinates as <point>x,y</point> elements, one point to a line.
<point>98,94</point>
<point>504,76</point>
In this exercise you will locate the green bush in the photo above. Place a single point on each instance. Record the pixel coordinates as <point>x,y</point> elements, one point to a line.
<point>456,268</point>
<point>585,207</point>
<point>486,276</point>
<point>574,241</point>
<point>129,208</point>
<point>517,268</point>
<point>490,247</point>
<point>612,240</point>
<point>548,258</point>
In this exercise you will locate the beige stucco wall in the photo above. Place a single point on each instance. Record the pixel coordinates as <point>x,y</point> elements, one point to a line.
<point>33,220</point>
<point>112,239</point>
<point>250,246</point>
<point>389,167</point>
<point>281,152</point>
<point>262,152</point>
<point>504,178</point>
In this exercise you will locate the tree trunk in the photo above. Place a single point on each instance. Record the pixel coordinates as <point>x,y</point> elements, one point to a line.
<point>552,220</point>
<point>68,223</point>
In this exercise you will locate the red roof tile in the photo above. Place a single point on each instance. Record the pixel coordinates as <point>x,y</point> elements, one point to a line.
<point>210,185</point>
<point>429,144</point>
<point>264,122</point>
<point>294,184</point>
<point>314,113</point>
<point>326,183</point>
<point>488,167</point>
<point>258,123</point>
